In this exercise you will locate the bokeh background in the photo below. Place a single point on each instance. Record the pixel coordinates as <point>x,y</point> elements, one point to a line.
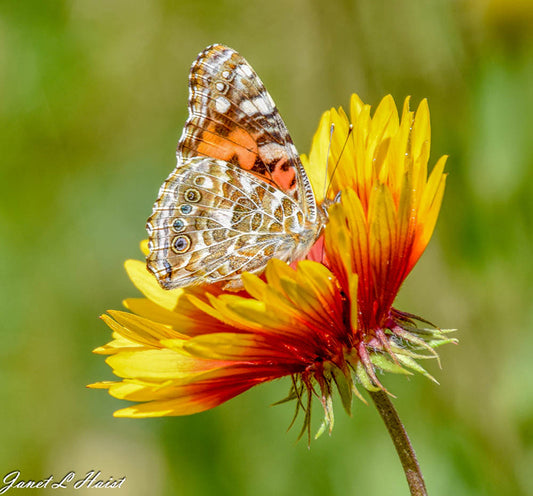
<point>93,99</point>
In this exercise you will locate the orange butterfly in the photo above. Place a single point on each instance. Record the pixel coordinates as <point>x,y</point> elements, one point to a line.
<point>239,194</point>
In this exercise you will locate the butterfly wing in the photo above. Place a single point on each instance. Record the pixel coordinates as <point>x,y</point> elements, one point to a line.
<point>213,221</point>
<point>233,118</point>
<point>239,194</point>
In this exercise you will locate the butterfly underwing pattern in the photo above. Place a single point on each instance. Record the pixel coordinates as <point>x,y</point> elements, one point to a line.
<point>239,194</point>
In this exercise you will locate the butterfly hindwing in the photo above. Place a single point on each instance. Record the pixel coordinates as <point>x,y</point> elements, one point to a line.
<point>213,221</point>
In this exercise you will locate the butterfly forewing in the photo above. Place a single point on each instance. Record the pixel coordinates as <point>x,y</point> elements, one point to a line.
<point>232,117</point>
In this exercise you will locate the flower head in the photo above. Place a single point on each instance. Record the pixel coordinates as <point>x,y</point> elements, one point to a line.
<point>328,325</point>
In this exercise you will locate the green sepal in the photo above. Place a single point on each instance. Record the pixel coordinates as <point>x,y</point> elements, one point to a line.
<point>306,427</point>
<point>439,342</point>
<point>363,377</point>
<point>398,350</point>
<point>413,365</point>
<point>329,418</point>
<point>415,341</point>
<point>344,383</point>
<point>380,360</point>
<point>291,396</point>
<point>322,428</point>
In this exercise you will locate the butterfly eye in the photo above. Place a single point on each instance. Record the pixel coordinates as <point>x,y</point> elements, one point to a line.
<point>178,225</point>
<point>180,244</point>
<point>193,195</point>
<point>186,209</point>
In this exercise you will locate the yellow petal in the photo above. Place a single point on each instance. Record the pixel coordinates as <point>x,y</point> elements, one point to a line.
<point>421,133</point>
<point>254,285</point>
<point>150,310</point>
<point>158,365</point>
<point>316,162</point>
<point>144,247</point>
<point>147,284</point>
<point>228,346</point>
<point>142,330</point>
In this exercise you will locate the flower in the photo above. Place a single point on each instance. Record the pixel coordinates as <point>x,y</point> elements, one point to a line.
<point>330,325</point>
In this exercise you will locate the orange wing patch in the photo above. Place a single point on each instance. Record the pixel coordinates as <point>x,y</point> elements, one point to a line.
<point>237,143</point>
<point>284,175</point>
<point>240,147</point>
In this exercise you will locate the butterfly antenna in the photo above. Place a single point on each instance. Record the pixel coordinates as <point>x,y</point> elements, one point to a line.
<point>331,129</point>
<point>350,129</point>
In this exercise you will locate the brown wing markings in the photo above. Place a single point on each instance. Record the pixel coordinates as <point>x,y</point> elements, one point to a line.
<point>259,118</point>
<point>253,122</point>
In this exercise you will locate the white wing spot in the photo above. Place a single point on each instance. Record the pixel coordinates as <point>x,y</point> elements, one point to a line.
<point>248,107</point>
<point>207,183</point>
<point>272,151</point>
<point>220,86</point>
<point>269,98</point>
<point>222,104</point>
<point>246,70</point>
<point>226,74</point>
<point>263,105</point>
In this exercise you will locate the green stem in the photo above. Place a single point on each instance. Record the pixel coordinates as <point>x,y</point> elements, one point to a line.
<point>401,442</point>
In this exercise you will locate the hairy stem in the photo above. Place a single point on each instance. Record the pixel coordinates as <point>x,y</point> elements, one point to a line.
<point>401,442</point>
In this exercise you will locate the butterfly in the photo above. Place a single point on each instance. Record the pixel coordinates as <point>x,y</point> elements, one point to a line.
<point>239,194</point>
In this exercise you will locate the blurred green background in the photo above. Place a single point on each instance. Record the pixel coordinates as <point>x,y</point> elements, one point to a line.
<point>93,99</point>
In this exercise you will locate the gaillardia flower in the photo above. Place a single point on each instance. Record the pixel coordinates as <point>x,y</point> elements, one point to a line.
<point>328,325</point>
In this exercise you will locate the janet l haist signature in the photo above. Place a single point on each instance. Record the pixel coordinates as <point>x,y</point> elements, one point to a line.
<point>91,480</point>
